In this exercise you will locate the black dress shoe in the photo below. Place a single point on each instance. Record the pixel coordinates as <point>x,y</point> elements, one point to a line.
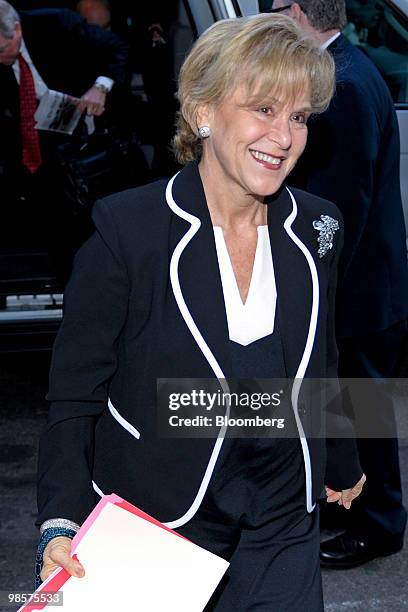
<point>348,550</point>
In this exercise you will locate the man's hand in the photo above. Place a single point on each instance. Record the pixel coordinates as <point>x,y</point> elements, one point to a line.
<point>346,496</point>
<point>93,101</point>
<point>57,554</point>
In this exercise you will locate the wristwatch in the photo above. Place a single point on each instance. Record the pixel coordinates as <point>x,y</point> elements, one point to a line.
<point>105,90</point>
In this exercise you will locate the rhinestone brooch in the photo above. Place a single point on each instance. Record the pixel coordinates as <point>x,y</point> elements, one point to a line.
<point>326,226</point>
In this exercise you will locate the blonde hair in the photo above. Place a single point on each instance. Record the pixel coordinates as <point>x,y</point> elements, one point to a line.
<point>267,54</point>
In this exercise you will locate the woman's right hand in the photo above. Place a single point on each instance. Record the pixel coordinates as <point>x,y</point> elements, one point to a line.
<point>57,553</point>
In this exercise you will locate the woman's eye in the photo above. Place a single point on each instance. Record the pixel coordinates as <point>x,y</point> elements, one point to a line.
<point>265,110</point>
<point>299,118</point>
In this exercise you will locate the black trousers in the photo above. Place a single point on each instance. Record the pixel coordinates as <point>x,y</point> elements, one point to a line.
<point>378,513</point>
<point>254,515</point>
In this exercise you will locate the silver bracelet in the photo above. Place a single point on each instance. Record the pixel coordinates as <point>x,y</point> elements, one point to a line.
<point>59,522</point>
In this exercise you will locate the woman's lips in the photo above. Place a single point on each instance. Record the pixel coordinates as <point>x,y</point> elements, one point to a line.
<point>267,161</point>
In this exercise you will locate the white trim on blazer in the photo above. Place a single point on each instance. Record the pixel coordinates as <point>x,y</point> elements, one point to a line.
<point>123,422</point>
<point>304,362</point>
<point>195,224</point>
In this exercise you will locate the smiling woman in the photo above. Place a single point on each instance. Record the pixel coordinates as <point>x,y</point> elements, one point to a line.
<point>251,91</point>
<point>263,60</point>
<point>253,148</point>
<point>217,273</point>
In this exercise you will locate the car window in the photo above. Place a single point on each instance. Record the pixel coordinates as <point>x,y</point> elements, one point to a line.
<point>380,30</point>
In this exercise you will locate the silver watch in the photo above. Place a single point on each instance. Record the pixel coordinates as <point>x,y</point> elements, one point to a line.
<point>105,90</point>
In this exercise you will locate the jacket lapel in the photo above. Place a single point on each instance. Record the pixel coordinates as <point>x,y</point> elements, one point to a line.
<point>293,279</point>
<point>199,276</point>
<point>198,270</point>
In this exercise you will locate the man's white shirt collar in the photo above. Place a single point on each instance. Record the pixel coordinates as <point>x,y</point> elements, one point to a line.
<point>40,86</point>
<point>329,41</point>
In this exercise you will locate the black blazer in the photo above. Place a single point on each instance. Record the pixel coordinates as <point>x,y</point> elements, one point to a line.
<point>352,158</point>
<point>145,301</point>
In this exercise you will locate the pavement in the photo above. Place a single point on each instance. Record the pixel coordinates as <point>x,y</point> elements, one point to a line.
<point>378,586</point>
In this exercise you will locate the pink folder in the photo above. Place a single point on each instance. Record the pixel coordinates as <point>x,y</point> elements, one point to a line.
<point>210,568</point>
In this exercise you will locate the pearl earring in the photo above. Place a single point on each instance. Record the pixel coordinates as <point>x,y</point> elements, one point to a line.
<point>204,131</point>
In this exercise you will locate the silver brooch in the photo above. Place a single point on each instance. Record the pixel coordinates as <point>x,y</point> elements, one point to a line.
<point>327,227</point>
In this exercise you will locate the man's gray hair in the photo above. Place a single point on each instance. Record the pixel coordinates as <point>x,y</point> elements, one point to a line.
<point>325,15</point>
<point>8,19</point>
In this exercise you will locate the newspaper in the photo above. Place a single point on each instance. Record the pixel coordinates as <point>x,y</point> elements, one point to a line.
<point>57,112</point>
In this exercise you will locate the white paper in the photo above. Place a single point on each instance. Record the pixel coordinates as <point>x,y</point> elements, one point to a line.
<point>57,112</point>
<point>133,564</point>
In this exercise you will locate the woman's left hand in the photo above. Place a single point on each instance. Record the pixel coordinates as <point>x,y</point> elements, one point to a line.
<point>346,496</point>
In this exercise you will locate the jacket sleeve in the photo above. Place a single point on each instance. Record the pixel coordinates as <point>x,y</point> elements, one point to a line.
<point>343,468</point>
<point>84,360</point>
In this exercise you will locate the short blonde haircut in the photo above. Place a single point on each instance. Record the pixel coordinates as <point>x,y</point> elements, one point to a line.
<point>267,54</point>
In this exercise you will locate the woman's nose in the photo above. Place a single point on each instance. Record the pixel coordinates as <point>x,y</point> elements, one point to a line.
<point>280,132</point>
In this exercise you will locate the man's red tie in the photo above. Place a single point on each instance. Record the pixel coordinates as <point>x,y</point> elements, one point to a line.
<point>28,105</point>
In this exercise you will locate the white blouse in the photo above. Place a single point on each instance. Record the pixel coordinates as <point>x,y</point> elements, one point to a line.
<point>256,318</point>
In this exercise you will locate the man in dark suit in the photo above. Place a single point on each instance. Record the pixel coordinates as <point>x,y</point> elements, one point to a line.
<point>352,158</point>
<point>39,50</point>
<point>63,53</point>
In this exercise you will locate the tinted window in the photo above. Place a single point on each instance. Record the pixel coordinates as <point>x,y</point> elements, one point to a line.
<point>380,30</point>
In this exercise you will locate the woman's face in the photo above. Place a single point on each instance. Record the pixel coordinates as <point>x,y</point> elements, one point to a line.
<point>252,149</point>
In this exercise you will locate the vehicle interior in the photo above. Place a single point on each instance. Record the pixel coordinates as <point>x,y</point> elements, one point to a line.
<point>378,30</point>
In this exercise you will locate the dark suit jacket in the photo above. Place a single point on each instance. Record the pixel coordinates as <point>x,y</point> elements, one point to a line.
<point>126,323</point>
<point>69,55</point>
<point>352,158</point>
